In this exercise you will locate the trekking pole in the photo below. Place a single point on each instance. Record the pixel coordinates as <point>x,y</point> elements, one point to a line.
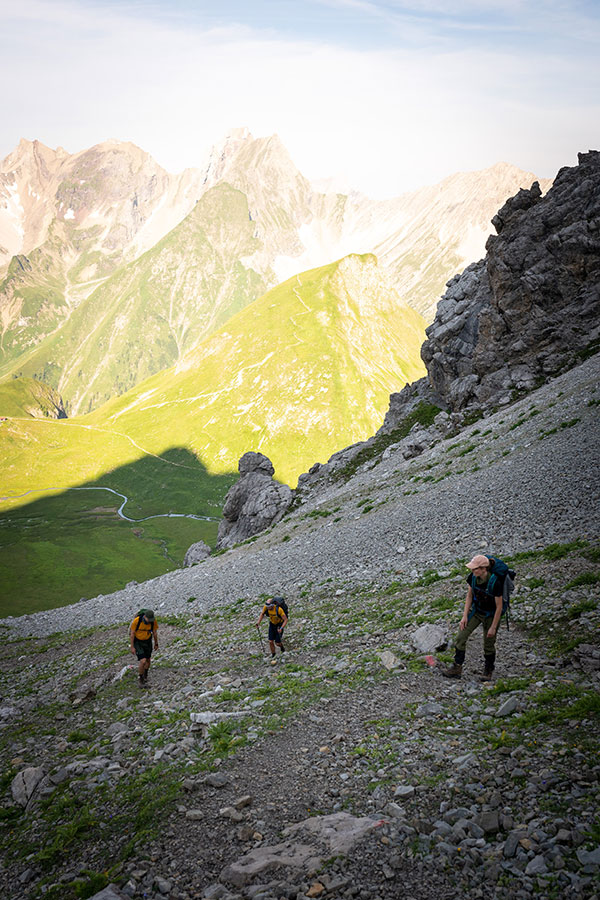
<point>262,646</point>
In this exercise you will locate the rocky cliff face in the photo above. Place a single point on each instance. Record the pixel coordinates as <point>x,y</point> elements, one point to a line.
<point>531,308</point>
<point>526,312</point>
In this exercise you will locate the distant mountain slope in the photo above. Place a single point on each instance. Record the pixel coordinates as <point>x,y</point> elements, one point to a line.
<point>151,311</point>
<point>305,368</point>
<point>445,227</point>
<point>27,397</point>
<point>68,221</point>
<point>83,311</point>
<point>300,372</point>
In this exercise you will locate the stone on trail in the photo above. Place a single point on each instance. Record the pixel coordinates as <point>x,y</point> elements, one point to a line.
<point>404,791</point>
<point>217,779</point>
<point>333,835</point>
<point>429,638</point>
<point>112,892</point>
<point>340,831</point>
<point>589,857</point>
<point>429,709</point>
<point>488,821</point>
<point>294,856</point>
<point>389,660</point>
<point>24,784</point>
<point>508,707</point>
<point>537,866</point>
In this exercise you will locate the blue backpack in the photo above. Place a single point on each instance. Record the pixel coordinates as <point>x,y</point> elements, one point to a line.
<point>499,570</point>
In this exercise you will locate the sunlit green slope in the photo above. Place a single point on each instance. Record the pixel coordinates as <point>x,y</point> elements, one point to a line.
<point>303,371</point>
<point>27,397</point>
<point>146,315</point>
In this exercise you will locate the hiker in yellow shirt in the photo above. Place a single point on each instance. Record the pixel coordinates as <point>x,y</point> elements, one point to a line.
<point>277,622</point>
<point>142,631</point>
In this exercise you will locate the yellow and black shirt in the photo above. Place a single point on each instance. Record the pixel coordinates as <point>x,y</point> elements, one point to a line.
<point>275,614</point>
<point>143,631</point>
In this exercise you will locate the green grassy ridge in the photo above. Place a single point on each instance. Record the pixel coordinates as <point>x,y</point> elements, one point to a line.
<point>28,397</point>
<point>298,374</point>
<point>150,311</point>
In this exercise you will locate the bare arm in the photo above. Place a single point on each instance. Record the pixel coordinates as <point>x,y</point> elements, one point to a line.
<point>467,609</point>
<point>497,614</point>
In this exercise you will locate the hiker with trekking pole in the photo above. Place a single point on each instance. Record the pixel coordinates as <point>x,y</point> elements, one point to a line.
<point>276,610</point>
<point>490,582</point>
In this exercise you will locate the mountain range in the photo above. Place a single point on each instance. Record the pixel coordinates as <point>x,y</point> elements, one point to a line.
<point>115,269</point>
<point>180,321</point>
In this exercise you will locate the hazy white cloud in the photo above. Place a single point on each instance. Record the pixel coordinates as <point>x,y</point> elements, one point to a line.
<point>387,118</point>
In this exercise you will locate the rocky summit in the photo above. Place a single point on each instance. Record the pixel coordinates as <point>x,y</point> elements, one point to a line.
<point>350,768</point>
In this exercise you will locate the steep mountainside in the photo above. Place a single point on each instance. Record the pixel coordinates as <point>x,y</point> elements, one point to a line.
<point>27,397</point>
<point>150,312</point>
<point>304,368</point>
<point>68,221</point>
<point>68,318</point>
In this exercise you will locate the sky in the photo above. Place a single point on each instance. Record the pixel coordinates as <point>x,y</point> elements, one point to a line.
<point>383,97</point>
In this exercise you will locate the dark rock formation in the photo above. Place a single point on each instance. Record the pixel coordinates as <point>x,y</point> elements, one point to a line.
<point>532,306</point>
<point>254,502</point>
<point>528,311</point>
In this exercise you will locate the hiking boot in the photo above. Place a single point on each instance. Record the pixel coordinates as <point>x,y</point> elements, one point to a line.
<point>455,671</point>
<point>141,681</point>
<point>486,675</point>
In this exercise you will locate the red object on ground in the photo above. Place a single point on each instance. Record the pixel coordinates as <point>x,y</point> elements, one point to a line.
<point>431,661</point>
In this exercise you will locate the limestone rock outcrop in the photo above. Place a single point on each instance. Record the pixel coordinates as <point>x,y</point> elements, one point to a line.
<point>527,312</point>
<point>197,553</point>
<point>531,308</point>
<point>254,502</point>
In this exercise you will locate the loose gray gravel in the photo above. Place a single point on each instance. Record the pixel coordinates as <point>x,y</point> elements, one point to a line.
<point>523,477</point>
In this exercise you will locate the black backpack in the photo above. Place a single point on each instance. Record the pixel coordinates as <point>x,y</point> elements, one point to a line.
<point>279,601</point>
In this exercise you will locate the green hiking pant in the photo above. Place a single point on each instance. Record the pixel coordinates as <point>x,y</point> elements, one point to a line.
<point>489,643</point>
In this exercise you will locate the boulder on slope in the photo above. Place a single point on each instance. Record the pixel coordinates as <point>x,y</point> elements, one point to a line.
<point>254,503</point>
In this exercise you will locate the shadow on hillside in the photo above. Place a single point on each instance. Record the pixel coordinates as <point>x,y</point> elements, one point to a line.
<point>89,540</point>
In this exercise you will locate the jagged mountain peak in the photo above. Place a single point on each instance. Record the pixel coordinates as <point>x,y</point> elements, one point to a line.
<point>240,158</point>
